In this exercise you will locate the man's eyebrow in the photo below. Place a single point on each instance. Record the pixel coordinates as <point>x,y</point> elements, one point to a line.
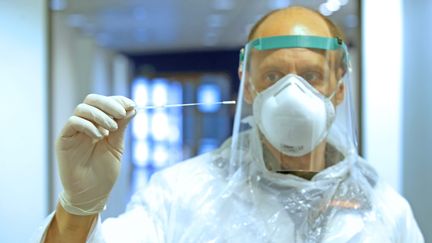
<point>322,65</point>
<point>312,66</point>
<point>276,60</point>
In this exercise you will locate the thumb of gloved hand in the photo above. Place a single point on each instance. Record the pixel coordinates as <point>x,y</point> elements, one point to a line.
<point>89,151</point>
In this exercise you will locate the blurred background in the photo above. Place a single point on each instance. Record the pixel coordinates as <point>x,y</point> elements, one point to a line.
<point>54,53</point>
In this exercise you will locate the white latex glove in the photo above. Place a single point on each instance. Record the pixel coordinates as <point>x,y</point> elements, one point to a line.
<point>89,152</point>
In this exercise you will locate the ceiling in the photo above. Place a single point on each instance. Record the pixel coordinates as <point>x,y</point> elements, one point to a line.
<point>171,25</point>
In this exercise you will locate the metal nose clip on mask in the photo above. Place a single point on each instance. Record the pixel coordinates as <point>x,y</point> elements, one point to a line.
<point>293,116</point>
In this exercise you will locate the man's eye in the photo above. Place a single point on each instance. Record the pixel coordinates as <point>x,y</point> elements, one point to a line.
<point>312,77</point>
<point>272,77</point>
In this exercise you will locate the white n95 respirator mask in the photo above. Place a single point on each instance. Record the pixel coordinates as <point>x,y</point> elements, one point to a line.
<point>293,116</point>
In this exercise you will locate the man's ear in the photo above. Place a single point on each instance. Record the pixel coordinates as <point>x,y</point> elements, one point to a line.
<point>340,93</point>
<point>247,94</point>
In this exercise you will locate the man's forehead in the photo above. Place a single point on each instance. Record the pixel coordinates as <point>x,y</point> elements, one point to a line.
<point>289,55</point>
<point>290,59</point>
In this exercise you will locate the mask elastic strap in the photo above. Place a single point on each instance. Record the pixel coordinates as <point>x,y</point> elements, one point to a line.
<point>329,97</point>
<point>253,87</point>
<point>334,92</point>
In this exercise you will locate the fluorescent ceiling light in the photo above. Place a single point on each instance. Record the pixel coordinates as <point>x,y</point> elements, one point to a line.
<point>140,34</point>
<point>76,20</point>
<point>333,5</point>
<point>139,13</point>
<point>58,5</point>
<point>210,39</point>
<point>216,20</point>
<point>223,4</point>
<point>210,42</point>
<point>324,10</point>
<point>275,4</point>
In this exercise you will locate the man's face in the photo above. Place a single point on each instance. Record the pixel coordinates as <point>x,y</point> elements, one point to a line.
<point>317,67</point>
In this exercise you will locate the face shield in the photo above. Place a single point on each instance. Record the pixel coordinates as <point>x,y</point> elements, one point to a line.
<point>293,120</point>
<point>294,112</point>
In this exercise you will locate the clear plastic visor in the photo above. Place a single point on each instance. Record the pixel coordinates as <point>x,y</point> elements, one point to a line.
<point>318,60</point>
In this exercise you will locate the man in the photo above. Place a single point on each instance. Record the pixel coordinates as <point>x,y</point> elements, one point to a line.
<point>289,173</point>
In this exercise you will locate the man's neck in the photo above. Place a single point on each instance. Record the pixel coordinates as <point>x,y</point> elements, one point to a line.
<point>302,166</point>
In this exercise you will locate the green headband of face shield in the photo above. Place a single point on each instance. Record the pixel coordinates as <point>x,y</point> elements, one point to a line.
<point>294,41</point>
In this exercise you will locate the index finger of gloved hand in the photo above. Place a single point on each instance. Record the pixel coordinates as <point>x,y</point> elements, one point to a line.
<point>127,103</point>
<point>106,104</point>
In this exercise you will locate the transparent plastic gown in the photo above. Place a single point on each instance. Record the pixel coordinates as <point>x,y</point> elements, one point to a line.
<point>253,188</point>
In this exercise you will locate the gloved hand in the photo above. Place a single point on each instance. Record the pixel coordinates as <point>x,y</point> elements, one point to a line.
<point>89,151</point>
